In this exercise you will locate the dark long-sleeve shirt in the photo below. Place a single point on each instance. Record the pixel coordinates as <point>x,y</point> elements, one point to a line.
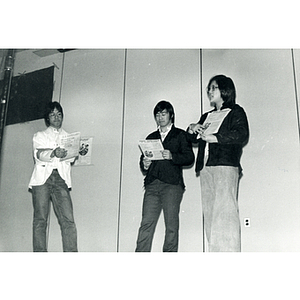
<point>232,136</point>
<point>170,171</point>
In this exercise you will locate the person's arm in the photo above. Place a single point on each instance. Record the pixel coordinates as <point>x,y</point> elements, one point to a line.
<point>196,129</point>
<point>239,129</point>
<point>43,153</point>
<point>144,164</point>
<point>185,156</point>
<point>47,154</point>
<point>41,150</point>
<point>210,138</point>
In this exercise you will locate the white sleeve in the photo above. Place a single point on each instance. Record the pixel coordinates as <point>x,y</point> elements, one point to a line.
<point>40,150</point>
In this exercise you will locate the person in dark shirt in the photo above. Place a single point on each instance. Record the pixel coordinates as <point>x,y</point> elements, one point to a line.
<point>226,131</point>
<point>164,184</point>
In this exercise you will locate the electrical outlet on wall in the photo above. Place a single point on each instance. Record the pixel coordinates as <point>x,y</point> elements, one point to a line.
<point>247,222</point>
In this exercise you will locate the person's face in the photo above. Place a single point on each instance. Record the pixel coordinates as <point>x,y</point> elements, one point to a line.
<point>214,94</point>
<point>55,118</point>
<point>163,118</point>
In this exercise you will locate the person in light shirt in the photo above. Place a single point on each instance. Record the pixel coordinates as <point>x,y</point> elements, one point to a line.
<point>51,182</point>
<point>225,130</point>
<point>164,185</point>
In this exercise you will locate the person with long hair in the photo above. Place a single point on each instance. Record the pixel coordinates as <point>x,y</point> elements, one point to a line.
<point>226,131</point>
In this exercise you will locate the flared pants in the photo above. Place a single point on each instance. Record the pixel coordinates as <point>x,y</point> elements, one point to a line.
<point>219,190</point>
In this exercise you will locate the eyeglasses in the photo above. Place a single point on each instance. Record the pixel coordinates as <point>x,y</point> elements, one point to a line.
<point>53,115</point>
<point>212,87</point>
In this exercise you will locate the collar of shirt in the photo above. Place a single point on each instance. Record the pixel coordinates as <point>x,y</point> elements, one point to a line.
<point>54,134</point>
<point>54,130</point>
<point>164,134</point>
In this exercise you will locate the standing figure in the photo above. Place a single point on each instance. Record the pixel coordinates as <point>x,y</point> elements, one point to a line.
<point>225,129</point>
<point>164,185</point>
<point>50,182</point>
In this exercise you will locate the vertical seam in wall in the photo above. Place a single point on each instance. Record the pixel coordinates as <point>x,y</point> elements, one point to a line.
<point>61,77</point>
<point>296,91</point>
<point>201,112</point>
<point>201,90</point>
<point>60,89</point>
<point>122,149</point>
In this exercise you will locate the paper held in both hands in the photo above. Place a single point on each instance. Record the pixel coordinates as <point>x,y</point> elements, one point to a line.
<point>70,142</point>
<point>152,149</point>
<point>214,121</point>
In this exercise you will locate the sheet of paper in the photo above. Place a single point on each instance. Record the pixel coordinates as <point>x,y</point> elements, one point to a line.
<point>214,121</point>
<point>70,142</point>
<point>152,149</point>
<point>85,151</point>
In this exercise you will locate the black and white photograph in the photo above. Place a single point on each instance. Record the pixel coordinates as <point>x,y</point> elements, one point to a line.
<point>222,192</point>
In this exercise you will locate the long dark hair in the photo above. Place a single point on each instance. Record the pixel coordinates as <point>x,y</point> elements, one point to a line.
<point>227,89</point>
<point>50,108</point>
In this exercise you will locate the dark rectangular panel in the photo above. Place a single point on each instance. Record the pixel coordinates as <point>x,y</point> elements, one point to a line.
<point>30,93</point>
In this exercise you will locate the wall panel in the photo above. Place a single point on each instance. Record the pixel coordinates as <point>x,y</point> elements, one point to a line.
<point>153,75</point>
<point>269,189</point>
<point>92,96</point>
<point>17,163</point>
<point>296,60</point>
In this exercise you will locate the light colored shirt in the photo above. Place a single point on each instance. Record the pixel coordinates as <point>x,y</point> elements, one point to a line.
<point>164,134</point>
<point>44,142</point>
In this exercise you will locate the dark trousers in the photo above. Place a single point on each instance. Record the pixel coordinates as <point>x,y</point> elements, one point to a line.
<point>55,190</point>
<point>160,196</point>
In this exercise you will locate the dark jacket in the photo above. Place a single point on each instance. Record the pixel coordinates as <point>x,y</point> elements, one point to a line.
<point>232,136</point>
<point>170,171</point>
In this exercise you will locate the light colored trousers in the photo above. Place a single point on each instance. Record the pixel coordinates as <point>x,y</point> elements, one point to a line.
<point>56,191</point>
<point>219,189</point>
